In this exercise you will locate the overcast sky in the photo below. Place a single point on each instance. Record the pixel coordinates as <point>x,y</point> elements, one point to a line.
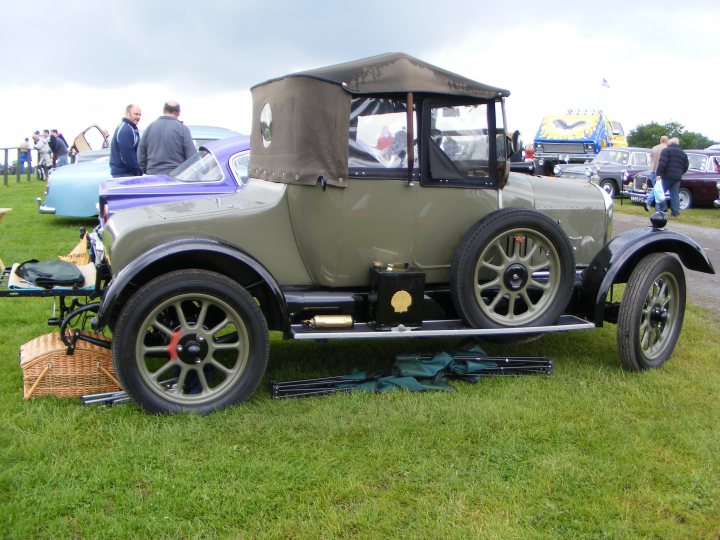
<point>73,63</point>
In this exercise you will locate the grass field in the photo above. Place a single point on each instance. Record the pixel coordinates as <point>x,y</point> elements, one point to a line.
<point>589,452</point>
<point>703,217</point>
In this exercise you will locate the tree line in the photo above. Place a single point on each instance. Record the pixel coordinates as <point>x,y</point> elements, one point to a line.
<point>648,135</point>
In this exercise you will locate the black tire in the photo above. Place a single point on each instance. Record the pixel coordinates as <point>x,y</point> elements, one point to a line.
<point>515,267</point>
<point>610,187</point>
<point>190,341</point>
<point>651,312</point>
<point>685,199</point>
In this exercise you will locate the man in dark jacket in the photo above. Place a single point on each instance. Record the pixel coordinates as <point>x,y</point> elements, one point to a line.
<point>166,143</point>
<point>672,165</point>
<point>124,144</point>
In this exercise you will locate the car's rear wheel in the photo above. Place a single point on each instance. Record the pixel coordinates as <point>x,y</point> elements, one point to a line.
<point>513,268</point>
<point>685,199</point>
<point>651,312</point>
<point>190,341</point>
<point>609,186</point>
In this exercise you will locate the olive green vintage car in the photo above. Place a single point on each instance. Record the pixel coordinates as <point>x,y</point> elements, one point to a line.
<point>380,204</point>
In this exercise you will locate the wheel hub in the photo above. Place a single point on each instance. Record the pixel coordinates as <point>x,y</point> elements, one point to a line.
<point>192,349</point>
<point>516,276</point>
<point>658,316</point>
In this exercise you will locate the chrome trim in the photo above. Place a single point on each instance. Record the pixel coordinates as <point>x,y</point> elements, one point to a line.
<point>43,209</point>
<point>436,329</point>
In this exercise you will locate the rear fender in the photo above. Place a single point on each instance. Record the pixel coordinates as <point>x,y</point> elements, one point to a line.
<point>618,258</point>
<point>202,253</point>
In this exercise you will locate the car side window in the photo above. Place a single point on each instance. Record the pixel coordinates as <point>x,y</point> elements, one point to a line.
<point>640,159</point>
<point>378,134</point>
<point>239,166</point>
<point>697,162</point>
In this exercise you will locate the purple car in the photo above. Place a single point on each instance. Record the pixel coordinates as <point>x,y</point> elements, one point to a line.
<point>219,167</point>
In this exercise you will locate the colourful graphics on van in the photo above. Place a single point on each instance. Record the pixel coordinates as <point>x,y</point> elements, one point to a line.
<point>570,127</point>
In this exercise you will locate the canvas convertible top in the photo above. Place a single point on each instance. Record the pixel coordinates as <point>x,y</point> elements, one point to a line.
<point>301,121</point>
<point>397,73</point>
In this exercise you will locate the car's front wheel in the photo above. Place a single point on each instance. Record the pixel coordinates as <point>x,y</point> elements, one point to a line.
<point>651,312</point>
<point>190,341</point>
<point>609,186</point>
<point>513,268</point>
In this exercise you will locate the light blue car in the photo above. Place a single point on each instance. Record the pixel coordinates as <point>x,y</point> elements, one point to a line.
<point>73,190</point>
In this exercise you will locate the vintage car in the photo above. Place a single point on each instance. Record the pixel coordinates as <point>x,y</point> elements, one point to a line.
<point>608,167</point>
<point>219,168</point>
<point>380,204</point>
<point>73,190</point>
<point>698,187</point>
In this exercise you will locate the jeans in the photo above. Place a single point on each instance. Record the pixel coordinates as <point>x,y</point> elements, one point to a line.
<point>673,185</point>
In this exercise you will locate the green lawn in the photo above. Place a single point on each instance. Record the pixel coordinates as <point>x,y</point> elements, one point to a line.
<point>589,452</point>
<point>703,217</point>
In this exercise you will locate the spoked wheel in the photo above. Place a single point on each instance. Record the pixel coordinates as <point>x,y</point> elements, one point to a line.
<point>514,268</point>
<point>651,312</point>
<point>190,341</point>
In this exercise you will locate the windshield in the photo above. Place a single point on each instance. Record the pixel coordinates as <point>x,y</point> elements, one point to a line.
<point>612,156</point>
<point>202,167</point>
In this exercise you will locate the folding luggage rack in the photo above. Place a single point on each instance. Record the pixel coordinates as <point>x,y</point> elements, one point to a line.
<point>7,288</point>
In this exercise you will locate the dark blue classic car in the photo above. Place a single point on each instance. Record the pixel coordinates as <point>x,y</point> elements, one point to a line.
<point>609,168</point>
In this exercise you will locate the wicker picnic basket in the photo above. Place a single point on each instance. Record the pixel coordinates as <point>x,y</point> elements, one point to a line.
<point>49,370</point>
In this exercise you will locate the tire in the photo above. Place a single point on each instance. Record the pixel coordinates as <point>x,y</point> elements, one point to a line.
<point>651,312</point>
<point>685,199</point>
<point>190,341</point>
<point>496,275</point>
<point>609,186</point>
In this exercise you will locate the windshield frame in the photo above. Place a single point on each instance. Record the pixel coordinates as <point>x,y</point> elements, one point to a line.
<point>192,165</point>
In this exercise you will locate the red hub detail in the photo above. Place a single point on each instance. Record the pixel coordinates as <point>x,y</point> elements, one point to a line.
<point>173,345</point>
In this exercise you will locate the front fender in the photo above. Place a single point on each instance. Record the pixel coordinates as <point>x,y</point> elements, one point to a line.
<point>618,258</point>
<point>204,253</point>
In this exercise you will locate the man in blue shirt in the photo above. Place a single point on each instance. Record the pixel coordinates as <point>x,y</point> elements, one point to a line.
<point>124,144</point>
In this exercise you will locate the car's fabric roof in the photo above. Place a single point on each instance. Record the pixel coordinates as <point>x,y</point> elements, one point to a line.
<point>398,73</point>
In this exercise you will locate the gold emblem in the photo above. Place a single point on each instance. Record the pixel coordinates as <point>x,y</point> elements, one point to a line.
<point>401,301</point>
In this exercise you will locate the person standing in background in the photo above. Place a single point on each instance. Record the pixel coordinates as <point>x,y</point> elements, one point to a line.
<point>61,149</point>
<point>23,154</point>
<point>44,155</point>
<point>673,163</point>
<point>654,158</point>
<point>166,142</point>
<point>124,144</point>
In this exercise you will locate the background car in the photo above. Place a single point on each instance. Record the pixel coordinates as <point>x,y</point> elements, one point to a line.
<point>73,190</point>
<point>608,167</point>
<point>218,168</point>
<point>698,186</point>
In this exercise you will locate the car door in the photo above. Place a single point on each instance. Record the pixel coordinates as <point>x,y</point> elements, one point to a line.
<point>342,231</point>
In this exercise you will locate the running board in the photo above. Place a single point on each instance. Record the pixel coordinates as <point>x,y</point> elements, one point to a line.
<point>435,329</point>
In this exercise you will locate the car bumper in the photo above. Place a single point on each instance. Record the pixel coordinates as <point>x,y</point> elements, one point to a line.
<point>635,195</point>
<point>43,208</point>
<point>567,158</point>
